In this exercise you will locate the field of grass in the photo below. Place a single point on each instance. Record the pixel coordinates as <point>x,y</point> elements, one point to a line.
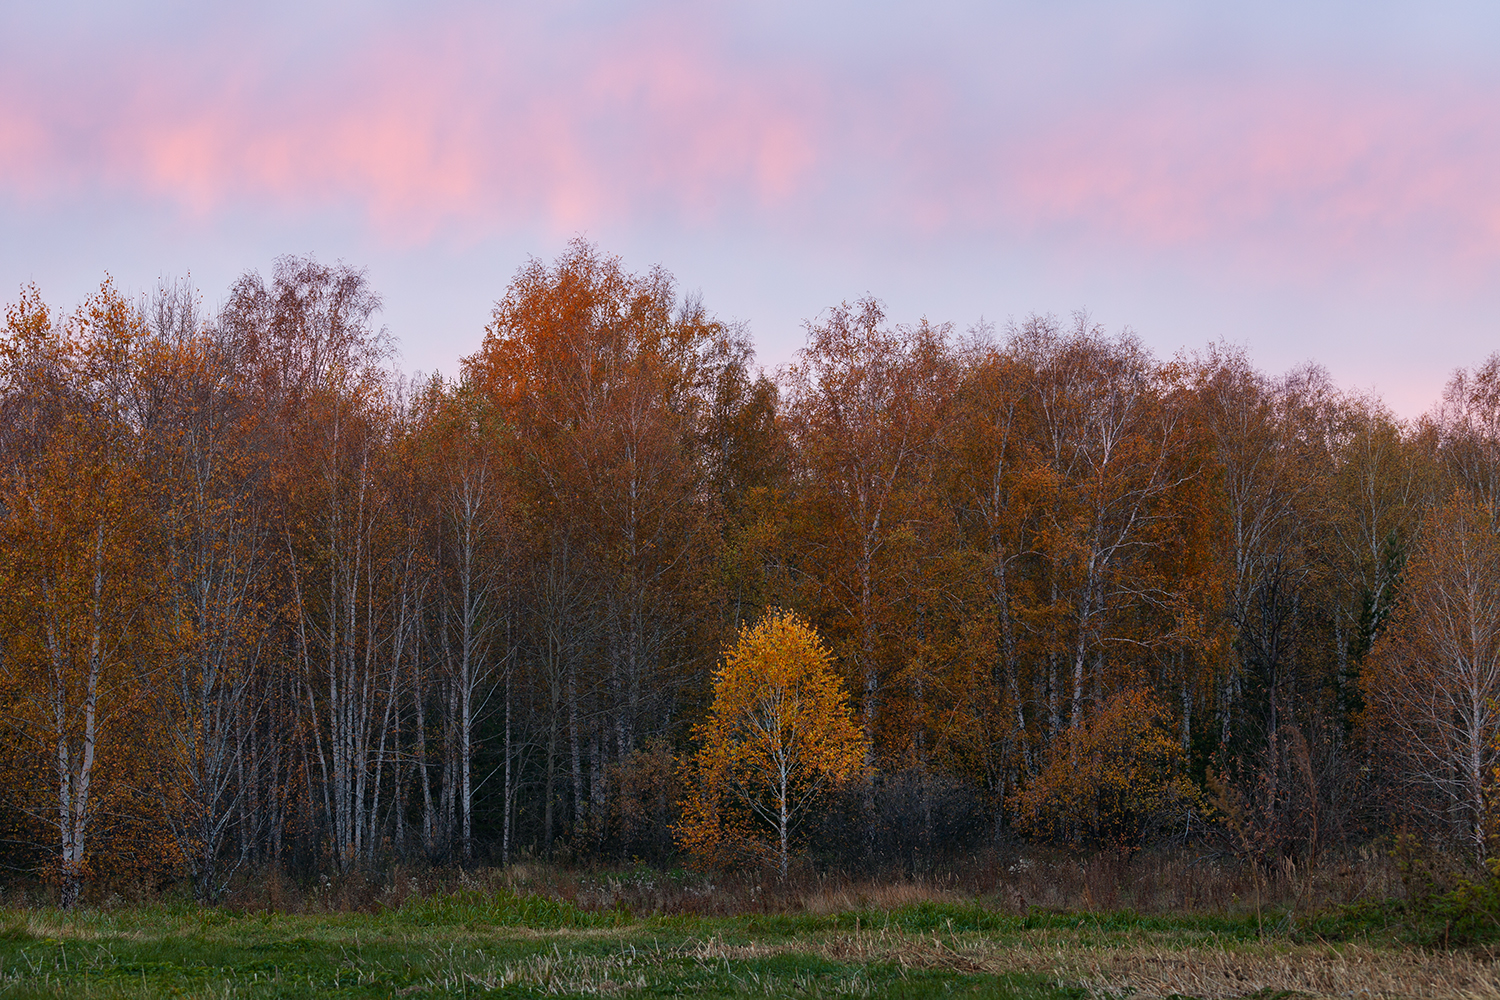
<point>481,942</point>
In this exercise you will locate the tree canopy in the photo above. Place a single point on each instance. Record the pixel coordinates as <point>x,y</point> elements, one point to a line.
<point>613,591</point>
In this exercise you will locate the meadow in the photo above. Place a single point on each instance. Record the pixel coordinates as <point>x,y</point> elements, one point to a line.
<point>544,932</point>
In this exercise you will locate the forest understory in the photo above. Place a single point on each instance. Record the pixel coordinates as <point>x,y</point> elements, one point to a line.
<point>1013,881</point>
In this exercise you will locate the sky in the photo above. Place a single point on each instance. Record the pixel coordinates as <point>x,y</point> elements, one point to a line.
<point>1315,182</point>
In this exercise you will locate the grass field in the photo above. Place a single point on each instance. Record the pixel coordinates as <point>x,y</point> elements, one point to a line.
<point>478,942</point>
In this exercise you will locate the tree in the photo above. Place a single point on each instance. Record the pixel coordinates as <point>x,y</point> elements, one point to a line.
<point>1469,419</point>
<point>1109,775</point>
<point>603,379</point>
<point>1002,496</point>
<point>1270,456</point>
<point>1122,465</point>
<point>779,733</point>
<point>203,469</point>
<point>325,395</point>
<point>1433,678</point>
<point>865,406</point>
<point>747,453</point>
<point>471,502</point>
<point>1374,501</point>
<point>75,578</point>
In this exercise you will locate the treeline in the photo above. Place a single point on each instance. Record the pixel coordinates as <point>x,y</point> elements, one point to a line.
<point>265,601</point>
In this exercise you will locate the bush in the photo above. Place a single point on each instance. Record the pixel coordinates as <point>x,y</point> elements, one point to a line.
<point>1113,777</point>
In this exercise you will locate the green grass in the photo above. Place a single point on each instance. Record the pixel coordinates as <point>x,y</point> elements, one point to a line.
<point>952,918</point>
<point>505,944</point>
<point>467,944</point>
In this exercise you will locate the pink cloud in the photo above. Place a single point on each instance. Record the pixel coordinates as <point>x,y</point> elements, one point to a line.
<point>23,144</point>
<point>462,125</point>
<point>473,122</point>
<point>1308,170</point>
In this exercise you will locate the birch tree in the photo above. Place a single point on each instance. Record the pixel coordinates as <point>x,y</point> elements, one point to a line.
<point>1434,677</point>
<point>76,574</point>
<point>861,406</point>
<point>779,733</point>
<point>199,450</point>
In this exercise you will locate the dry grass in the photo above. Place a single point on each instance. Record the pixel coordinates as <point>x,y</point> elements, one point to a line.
<point>1181,882</point>
<point>876,896</point>
<point>1145,959</point>
<point>1116,964</point>
<point>1010,878</point>
<point>1146,970</point>
<point>1348,972</point>
<point>1012,881</point>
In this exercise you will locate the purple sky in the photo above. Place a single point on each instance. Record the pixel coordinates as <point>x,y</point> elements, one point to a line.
<point>1316,182</point>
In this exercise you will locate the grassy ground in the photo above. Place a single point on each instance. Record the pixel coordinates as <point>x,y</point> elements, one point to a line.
<point>477,942</point>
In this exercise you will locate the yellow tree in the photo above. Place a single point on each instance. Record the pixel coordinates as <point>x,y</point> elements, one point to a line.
<point>779,733</point>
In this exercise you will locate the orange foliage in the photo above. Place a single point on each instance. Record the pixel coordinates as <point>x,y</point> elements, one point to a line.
<point>779,733</point>
<point>351,619</point>
<point>1109,776</point>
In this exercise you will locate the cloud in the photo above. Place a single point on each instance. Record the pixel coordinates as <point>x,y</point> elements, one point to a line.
<point>474,119</point>
<point>471,122</point>
<point>1308,171</point>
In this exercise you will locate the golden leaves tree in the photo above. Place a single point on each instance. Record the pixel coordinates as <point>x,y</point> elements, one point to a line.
<point>778,735</point>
